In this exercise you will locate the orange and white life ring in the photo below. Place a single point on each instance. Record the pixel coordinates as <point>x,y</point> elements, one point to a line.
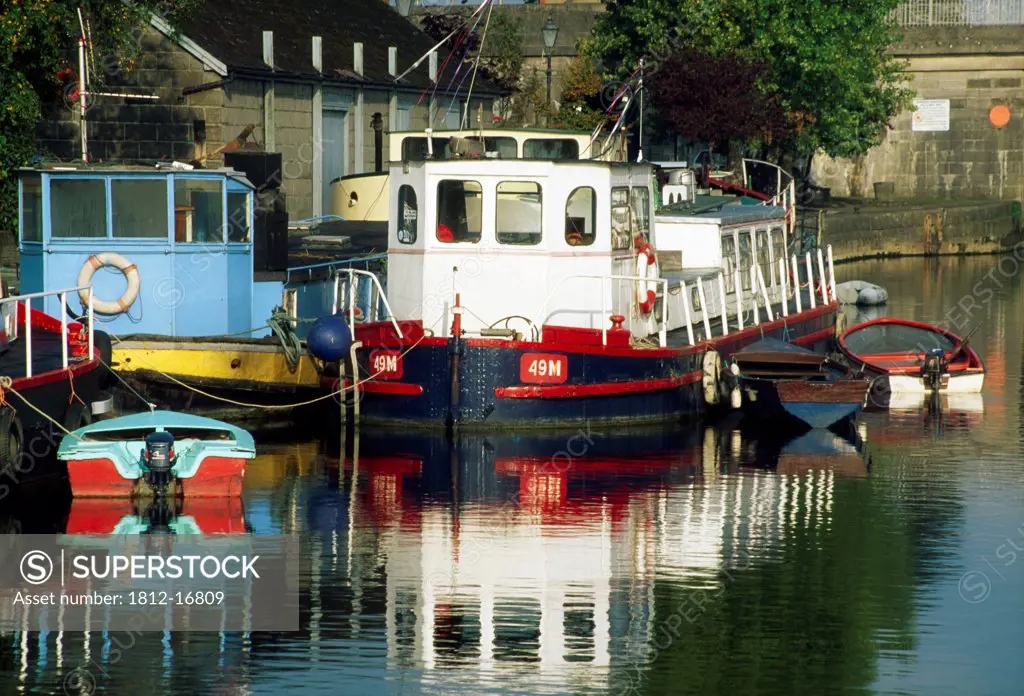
<point>131,274</point>
<point>646,289</point>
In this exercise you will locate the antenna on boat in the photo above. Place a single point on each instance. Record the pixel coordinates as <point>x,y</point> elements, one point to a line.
<point>640,89</point>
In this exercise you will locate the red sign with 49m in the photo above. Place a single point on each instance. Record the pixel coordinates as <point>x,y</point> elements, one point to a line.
<point>541,368</point>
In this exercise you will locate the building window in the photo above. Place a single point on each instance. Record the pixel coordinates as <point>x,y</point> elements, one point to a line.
<point>551,149</point>
<point>408,215</point>
<point>459,211</point>
<point>198,211</point>
<point>78,208</point>
<point>580,217</point>
<point>518,217</point>
<point>138,208</point>
<point>238,216</point>
<point>32,208</point>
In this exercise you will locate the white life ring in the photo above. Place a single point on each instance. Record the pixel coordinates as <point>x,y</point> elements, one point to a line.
<point>131,274</point>
<point>646,289</point>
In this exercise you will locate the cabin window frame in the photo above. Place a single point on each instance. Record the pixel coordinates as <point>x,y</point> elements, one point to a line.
<point>593,218</point>
<point>528,142</point>
<point>775,249</point>
<point>537,236</point>
<point>223,227</point>
<point>57,180</point>
<point>39,226</point>
<point>437,210</point>
<point>403,190</point>
<point>168,216</point>
<point>744,264</point>
<point>762,234</point>
<point>730,261</point>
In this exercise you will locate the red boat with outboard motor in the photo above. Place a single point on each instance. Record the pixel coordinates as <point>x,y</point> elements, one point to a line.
<point>911,358</point>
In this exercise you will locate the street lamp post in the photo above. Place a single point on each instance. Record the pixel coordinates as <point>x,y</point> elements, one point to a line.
<point>549,32</point>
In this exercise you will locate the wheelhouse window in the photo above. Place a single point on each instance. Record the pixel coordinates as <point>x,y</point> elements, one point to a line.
<point>459,211</point>
<point>640,199</point>
<point>408,215</point>
<point>551,149</point>
<point>238,216</point>
<point>622,219</point>
<point>198,211</point>
<point>78,207</point>
<point>518,217</point>
<point>416,150</point>
<point>778,250</point>
<point>138,208</point>
<point>580,217</point>
<point>31,208</point>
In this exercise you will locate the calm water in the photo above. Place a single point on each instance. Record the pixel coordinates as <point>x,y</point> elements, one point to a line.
<point>703,561</point>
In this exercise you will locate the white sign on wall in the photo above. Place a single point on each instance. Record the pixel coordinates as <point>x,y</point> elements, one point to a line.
<point>931,115</point>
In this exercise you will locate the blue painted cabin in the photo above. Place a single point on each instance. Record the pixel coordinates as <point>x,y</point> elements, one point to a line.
<point>189,234</point>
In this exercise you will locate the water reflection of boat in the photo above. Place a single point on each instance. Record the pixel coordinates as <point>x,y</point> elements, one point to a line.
<point>192,516</point>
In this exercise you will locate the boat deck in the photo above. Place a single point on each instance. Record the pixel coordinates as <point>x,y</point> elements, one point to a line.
<point>46,355</point>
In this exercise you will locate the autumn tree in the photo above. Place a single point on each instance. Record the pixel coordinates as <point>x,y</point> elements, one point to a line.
<point>37,41</point>
<point>580,106</point>
<point>824,64</point>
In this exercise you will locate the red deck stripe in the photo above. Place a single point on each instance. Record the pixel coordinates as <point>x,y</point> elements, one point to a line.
<point>394,388</point>
<point>569,391</point>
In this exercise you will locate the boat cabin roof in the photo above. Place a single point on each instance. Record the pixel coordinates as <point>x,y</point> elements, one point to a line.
<point>725,213</point>
<point>497,143</point>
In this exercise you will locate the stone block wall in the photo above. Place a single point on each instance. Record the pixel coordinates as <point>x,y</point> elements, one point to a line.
<point>976,70</point>
<point>922,230</point>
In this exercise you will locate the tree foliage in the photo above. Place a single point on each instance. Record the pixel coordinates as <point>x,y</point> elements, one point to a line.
<point>38,39</point>
<point>825,63</point>
<point>579,107</point>
<point>703,108</point>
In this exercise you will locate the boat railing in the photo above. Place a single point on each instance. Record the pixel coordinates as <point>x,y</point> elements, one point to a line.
<point>63,297</point>
<point>606,281</point>
<point>377,296</point>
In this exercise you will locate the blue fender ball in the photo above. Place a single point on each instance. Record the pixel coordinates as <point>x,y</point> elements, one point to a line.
<point>330,338</point>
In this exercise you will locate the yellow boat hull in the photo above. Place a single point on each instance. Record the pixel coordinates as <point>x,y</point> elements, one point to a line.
<point>238,365</point>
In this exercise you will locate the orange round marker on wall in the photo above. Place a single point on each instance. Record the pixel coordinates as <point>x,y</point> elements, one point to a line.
<point>999,116</point>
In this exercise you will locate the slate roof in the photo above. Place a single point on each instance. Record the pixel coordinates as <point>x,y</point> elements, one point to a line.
<point>232,32</point>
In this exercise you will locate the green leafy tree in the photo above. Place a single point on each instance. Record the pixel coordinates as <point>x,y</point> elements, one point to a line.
<point>38,40</point>
<point>579,108</point>
<point>825,63</point>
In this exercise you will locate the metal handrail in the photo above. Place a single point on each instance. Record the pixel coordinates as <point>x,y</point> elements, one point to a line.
<point>662,329</point>
<point>27,299</point>
<point>351,273</point>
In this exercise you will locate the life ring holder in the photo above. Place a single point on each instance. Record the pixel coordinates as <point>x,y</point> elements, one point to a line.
<point>131,274</point>
<point>647,269</point>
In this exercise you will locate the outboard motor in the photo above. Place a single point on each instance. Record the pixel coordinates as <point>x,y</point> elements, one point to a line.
<point>159,460</point>
<point>935,366</point>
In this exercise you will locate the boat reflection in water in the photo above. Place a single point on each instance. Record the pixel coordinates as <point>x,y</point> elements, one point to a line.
<point>156,516</point>
<point>488,563</point>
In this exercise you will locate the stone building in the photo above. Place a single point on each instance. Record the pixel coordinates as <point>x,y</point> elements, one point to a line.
<point>965,140</point>
<point>310,76</point>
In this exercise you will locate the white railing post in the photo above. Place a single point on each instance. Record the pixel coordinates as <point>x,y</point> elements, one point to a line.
<point>704,308</point>
<point>337,291</point>
<point>686,313</point>
<point>91,314</point>
<point>783,286</point>
<point>764,294</point>
<point>63,330</point>
<point>739,300</point>
<point>351,300</point>
<point>753,293</point>
<point>796,284</point>
<point>725,309</point>
<point>831,273</point>
<point>810,280</point>
<point>822,277</point>
<point>28,338</point>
